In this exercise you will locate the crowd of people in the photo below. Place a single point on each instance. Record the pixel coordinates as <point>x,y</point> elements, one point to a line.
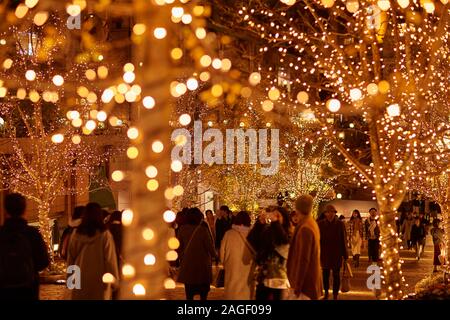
<point>92,242</point>
<point>414,229</point>
<point>284,255</point>
<point>281,255</point>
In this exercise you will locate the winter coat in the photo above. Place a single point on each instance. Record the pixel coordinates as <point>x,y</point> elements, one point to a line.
<point>303,265</point>
<point>237,258</point>
<point>418,233</point>
<point>355,225</point>
<point>95,256</point>
<point>271,243</point>
<point>196,252</point>
<point>38,249</point>
<point>212,228</point>
<point>222,225</point>
<point>375,235</point>
<point>332,243</point>
<point>406,229</point>
<point>438,235</point>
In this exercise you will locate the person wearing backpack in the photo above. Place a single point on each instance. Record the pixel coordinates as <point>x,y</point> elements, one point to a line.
<point>23,253</point>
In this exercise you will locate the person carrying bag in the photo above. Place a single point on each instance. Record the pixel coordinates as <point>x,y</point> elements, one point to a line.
<point>346,275</point>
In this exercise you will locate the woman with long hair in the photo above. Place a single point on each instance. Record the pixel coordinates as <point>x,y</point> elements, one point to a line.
<point>270,239</point>
<point>236,255</point>
<point>355,236</point>
<point>92,250</point>
<point>196,253</point>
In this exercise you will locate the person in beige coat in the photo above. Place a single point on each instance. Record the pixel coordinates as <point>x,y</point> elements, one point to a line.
<point>236,255</point>
<point>92,249</point>
<point>303,265</point>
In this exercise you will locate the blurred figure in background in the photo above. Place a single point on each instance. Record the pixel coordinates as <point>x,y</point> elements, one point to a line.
<point>196,253</point>
<point>437,234</point>
<point>406,228</point>
<point>223,224</point>
<point>236,255</point>
<point>418,235</point>
<point>180,220</point>
<point>333,249</point>
<point>74,222</point>
<point>270,239</point>
<point>303,265</point>
<point>92,249</point>
<point>355,235</point>
<point>294,219</point>
<point>372,236</point>
<point>23,253</point>
<point>211,220</point>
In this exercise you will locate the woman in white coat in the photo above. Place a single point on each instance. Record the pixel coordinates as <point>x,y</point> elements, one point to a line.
<point>236,255</point>
<point>92,249</point>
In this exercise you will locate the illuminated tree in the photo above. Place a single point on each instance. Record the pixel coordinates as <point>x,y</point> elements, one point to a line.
<point>383,63</point>
<point>43,116</point>
<point>305,171</point>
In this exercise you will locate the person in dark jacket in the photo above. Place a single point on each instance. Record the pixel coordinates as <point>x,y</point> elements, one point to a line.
<point>196,253</point>
<point>320,217</point>
<point>418,234</point>
<point>437,235</point>
<point>270,239</point>
<point>180,220</point>
<point>115,227</point>
<point>373,236</point>
<point>223,224</point>
<point>333,249</point>
<point>19,280</point>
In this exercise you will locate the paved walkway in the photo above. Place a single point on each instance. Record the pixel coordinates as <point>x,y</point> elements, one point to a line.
<point>413,271</point>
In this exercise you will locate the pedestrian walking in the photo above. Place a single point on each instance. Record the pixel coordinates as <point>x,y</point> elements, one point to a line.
<point>237,257</point>
<point>407,224</point>
<point>196,253</point>
<point>23,253</point>
<point>333,249</point>
<point>303,264</point>
<point>73,223</point>
<point>356,236</point>
<point>211,220</point>
<point>222,225</point>
<point>418,235</point>
<point>437,234</point>
<point>92,249</point>
<point>270,239</point>
<point>373,236</point>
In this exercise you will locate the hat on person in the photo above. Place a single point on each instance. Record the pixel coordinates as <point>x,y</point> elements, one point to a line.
<point>330,208</point>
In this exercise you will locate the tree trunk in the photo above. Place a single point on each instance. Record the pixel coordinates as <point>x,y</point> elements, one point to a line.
<point>390,253</point>
<point>154,77</point>
<point>45,227</point>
